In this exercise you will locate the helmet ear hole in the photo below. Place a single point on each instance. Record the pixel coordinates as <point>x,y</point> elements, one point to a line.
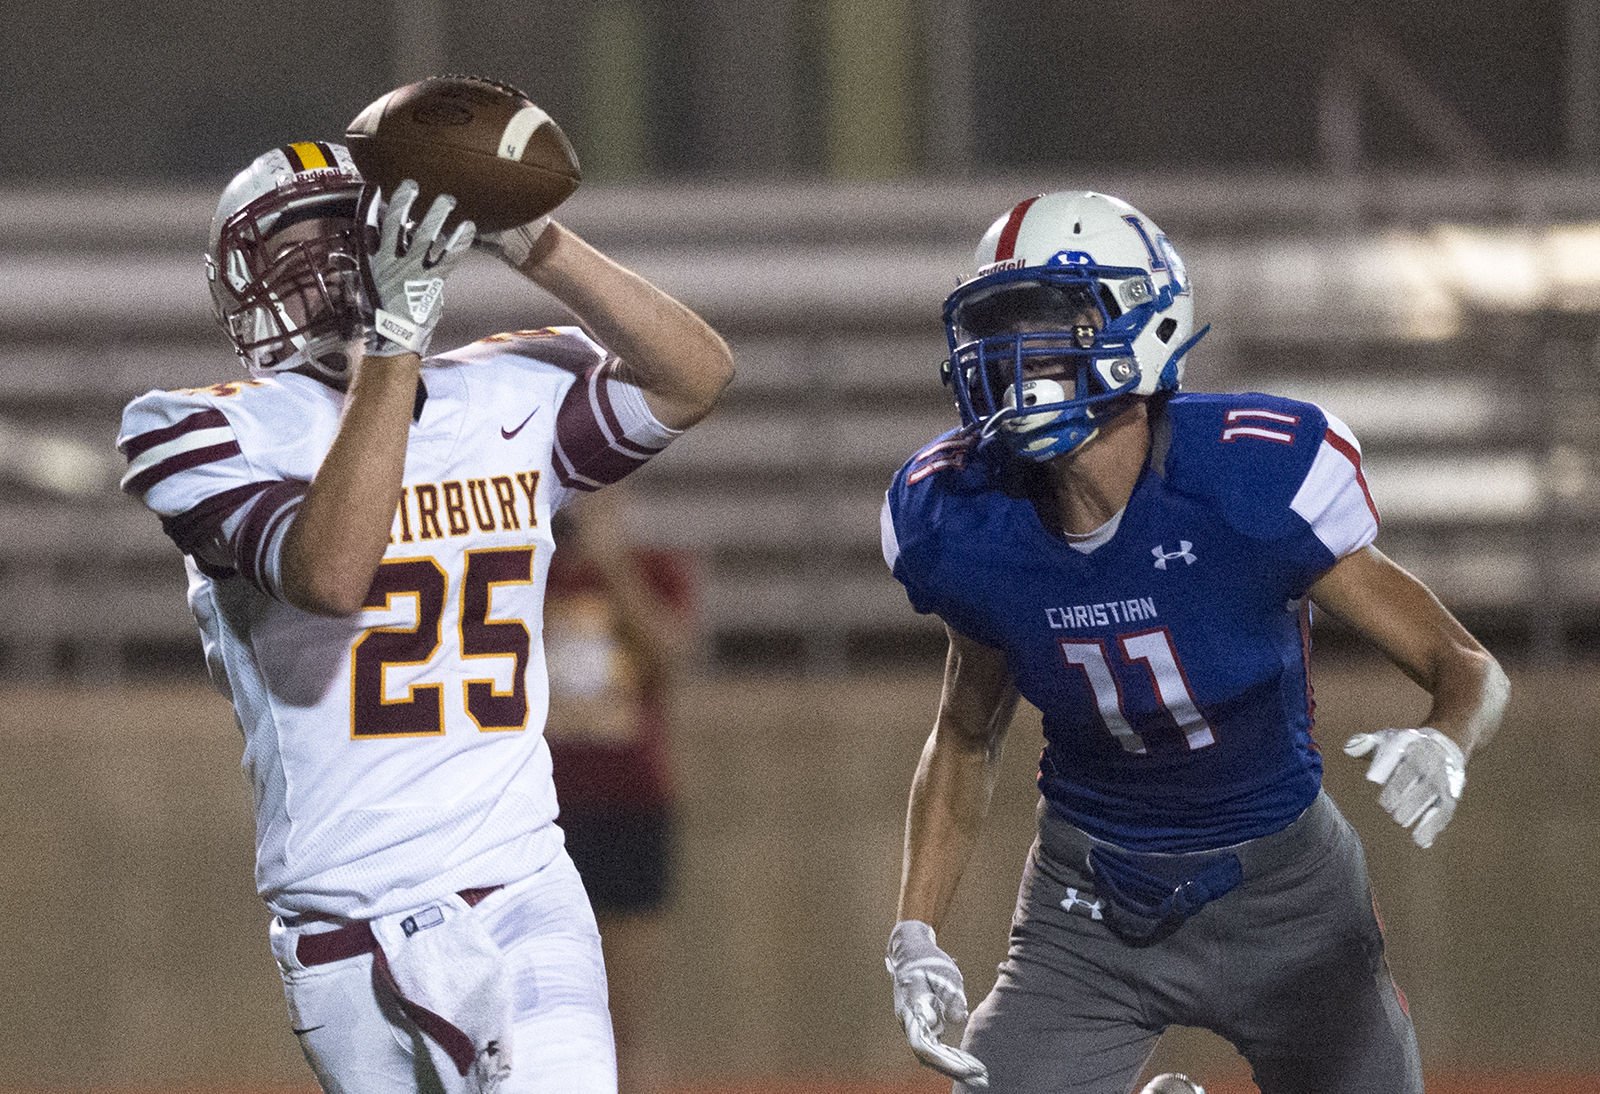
<point>1165,328</point>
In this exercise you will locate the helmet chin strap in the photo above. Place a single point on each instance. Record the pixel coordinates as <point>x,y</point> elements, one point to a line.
<point>328,356</point>
<point>1051,432</point>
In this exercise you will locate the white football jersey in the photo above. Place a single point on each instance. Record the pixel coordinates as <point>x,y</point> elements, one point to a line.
<point>396,754</point>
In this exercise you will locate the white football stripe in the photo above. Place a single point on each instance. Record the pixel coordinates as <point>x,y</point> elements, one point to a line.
<point>519,129</point>
<point>366,123</point>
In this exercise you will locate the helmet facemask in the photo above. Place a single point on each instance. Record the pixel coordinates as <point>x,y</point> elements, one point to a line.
<point>285,277</point>
<point>1079,305</point>
<point>1042,358</point>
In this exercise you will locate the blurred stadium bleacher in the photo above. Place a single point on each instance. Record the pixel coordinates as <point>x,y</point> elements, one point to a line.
<point>1451,321</point>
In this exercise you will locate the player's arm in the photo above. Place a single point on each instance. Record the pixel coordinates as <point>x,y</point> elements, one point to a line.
<point>332,549</point>
<point>1422,774</point>
<point>950,796</point>
<point>955,777</point>
<point>666,350</point>
<point>1398,614</point>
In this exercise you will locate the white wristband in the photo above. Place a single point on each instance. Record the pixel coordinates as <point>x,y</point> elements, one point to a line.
<point>517,243</point>
<point>404,335</point>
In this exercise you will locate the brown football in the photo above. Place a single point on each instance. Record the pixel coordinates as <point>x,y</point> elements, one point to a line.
<point>503,159</point>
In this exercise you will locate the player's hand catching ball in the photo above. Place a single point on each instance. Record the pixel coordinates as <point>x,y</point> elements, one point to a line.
<point>928,993</point>
<point>404,271</point>
<point>1422,773</point>
<point>514,245</point>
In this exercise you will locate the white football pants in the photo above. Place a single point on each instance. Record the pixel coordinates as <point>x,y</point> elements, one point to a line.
<point>358,1042</point>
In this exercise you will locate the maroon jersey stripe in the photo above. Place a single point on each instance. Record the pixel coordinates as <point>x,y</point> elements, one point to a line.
<point>566,353</point>
<point>258,565</point>
<point>134,447</point>
<point>181,462</point>
<point>601,394</point>
<point>255,532</point>
<point>203,523</point>
<point>600,465</point>
<point>591,448</point>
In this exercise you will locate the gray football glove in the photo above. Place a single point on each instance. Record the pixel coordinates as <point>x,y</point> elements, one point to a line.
<point>928,992</point>
<point>404,274</point>
<point>1422,773</point>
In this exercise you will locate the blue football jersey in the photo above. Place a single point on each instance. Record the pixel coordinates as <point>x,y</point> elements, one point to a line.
<point>1169,662</point>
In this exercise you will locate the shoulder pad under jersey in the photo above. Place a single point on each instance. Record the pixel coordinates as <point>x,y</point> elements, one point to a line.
<point>1272,465</point>
<point>185,444</point>
<point>569,349</point>
<point>213,464</point>
<point>931,496</point>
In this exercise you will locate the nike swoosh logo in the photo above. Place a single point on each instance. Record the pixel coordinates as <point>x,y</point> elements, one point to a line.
<point>509,433</point>
<point>308,1029</point>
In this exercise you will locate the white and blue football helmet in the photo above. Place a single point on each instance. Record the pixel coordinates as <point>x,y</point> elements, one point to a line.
<point>1079,301</point>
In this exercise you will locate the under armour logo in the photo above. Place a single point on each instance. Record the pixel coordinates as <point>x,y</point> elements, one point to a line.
<point>1184,552</point>
<point>421,296</point>
<point>1075,901</point>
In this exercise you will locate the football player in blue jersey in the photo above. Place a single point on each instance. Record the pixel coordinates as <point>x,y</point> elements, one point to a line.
<point>1139,565</point>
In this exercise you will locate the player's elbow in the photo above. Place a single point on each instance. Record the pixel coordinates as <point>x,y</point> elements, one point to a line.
<point>324,594</point>
<point>706,376</point>
<point>322,586</point>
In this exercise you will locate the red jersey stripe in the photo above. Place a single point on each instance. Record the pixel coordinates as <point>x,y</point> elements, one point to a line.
<point>1349,452</point>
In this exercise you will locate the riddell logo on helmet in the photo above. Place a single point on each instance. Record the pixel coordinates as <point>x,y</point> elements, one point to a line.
<point>1006,264</point>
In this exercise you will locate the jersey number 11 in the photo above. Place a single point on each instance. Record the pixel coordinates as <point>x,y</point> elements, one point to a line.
<point>1154,650</point>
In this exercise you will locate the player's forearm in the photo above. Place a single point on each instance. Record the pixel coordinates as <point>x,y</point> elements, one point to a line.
<point>1403,618</point>
<point>950,797</point>
<point>1470,692</point>
<point>673,355</point>
<point>338,538</point>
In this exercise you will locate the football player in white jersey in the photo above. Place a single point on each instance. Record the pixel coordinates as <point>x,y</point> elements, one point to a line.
<point>366,529</point>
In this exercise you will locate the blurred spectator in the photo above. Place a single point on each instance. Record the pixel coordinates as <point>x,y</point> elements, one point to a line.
<point>613,615</point>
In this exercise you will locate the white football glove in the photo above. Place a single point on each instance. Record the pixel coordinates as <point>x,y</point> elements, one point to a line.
<point>1422,773</point>
<point>514,245</point>
<point>928,993</point>
<point>404,274</point>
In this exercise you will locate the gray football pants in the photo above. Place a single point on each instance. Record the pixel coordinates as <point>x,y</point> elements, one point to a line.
<point>1289,967</point>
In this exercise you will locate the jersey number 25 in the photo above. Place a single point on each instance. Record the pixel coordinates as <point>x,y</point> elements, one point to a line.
<point>421,712</point>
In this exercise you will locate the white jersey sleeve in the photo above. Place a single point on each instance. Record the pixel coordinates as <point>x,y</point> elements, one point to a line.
<point>605,429</point>
<point>1333,498</point>
<point>188,461</point>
